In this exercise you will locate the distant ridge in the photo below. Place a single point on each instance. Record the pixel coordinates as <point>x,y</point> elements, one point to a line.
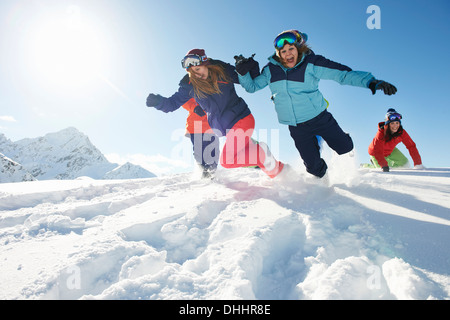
<point>63,155</point>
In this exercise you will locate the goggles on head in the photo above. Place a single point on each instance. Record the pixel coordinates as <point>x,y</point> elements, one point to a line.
<point>395,117</point>
<point>290,37</point>
<point>192,60</point>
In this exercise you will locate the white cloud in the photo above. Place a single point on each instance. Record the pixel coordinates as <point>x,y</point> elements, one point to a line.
<point>8,118</point>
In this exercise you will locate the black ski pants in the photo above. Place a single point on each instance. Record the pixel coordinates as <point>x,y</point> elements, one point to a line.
<point>206,149</point>
<point>304,135</point>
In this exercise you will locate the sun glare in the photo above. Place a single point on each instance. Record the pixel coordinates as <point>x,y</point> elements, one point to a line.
<point>66,49</point>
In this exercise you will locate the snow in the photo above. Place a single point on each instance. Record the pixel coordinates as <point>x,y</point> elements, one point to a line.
<point>365,235</point>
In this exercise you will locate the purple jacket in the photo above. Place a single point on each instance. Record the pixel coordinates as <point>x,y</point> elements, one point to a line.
<point>223,110</point>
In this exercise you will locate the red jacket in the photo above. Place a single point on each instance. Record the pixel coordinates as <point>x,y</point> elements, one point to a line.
<point>193,117</point>
<point>379,148</point>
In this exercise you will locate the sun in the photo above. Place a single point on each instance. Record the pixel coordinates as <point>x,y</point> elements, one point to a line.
<point>66,49</point>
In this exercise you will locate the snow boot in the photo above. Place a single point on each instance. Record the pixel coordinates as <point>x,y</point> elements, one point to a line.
<point>272,167</point>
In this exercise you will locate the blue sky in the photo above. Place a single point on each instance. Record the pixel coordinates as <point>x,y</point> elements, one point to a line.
<point>90,64</point>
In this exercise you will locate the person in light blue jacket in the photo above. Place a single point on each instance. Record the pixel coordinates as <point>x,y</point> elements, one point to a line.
<point>293,74</point>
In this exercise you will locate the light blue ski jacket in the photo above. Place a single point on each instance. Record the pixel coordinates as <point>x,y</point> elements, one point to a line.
<point>295,91</point>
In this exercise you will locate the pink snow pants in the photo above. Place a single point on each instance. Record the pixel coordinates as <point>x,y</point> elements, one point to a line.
<point>241,151</point>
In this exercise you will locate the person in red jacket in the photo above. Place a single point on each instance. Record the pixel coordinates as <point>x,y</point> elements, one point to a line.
<point>205,142</point>
<point>383,151</point>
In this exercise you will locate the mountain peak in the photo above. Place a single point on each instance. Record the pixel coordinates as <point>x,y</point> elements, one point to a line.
<point>66,154</point>
<point>11,171</point>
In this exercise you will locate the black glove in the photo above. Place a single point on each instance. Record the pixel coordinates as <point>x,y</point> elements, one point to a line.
<point>199,111</point>
<point>245,65</point>
<point>387,88</point>
<point>386,169</point>
<point>153,100</point>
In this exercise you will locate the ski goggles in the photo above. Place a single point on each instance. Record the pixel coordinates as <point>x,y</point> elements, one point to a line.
<point>395,117</point>
<point>290,37</point>
<point>192,60</point>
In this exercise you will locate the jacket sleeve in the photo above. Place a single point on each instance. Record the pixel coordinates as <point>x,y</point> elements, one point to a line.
<point>258,83</point>
<point>231,70</point>
<point>411,146</point>
<point>326,69</point>
<point>378,148</point>
<point>174,102</point>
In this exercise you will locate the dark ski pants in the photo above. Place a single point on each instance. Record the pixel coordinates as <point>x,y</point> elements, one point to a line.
<point>206,150</point>
<point>304,135</point>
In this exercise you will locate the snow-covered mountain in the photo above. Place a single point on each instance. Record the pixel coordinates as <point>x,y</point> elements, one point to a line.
<point>63,155</point>
<point>12,171</point>
<point>371,235</point>
<point>128,171</point>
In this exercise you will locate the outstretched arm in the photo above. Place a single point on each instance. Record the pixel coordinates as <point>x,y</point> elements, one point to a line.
<point>169,104</point>
<point>258,83</point>
<point>245,65</point>
<point>412,148</point>
<point>249,75</point>
<point>324,68</point>
<point>387,88</point>
<point>378,148</point>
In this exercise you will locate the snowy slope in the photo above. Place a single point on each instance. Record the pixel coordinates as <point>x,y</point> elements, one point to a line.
<point>243,236</point>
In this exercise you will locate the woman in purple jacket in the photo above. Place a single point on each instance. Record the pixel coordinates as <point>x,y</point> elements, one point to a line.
<point>211,83</point>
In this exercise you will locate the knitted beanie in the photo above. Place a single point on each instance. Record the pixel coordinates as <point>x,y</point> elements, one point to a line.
<point>392,115</point>
<point>201,53</point>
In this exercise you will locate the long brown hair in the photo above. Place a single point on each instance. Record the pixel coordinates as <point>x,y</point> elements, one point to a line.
<point>210,86</point>
<point>388,135</point>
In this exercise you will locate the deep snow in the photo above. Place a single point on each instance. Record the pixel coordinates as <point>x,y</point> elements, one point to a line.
<point>371,235</point>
